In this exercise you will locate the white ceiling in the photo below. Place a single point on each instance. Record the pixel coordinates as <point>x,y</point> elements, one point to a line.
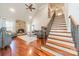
<point>20,10</point>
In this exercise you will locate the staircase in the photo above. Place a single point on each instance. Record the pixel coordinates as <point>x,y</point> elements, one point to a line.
<point>60,42</point>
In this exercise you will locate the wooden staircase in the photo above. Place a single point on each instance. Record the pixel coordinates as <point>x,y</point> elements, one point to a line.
<point>60,42</point>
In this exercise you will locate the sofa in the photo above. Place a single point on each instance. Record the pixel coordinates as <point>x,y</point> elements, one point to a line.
<point>5,37</point>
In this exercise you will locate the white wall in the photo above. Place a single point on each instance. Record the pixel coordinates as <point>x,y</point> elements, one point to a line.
<point>66,12</point>
<point>41,19</point>
<point>71,9</point>
<point>0,23</point>
<point>74,10</point>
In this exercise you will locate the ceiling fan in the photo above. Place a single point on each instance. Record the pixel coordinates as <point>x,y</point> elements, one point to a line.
<point>30,7</point>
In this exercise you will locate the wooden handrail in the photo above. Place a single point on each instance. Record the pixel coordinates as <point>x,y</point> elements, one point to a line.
<point>46,30</point>
<point>50,24</point>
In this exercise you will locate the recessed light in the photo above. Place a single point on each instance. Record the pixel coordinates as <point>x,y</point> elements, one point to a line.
<point>30,17</point>
<point>12,9</point>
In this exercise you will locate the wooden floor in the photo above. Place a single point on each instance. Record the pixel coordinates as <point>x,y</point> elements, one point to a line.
<point>19,47</point>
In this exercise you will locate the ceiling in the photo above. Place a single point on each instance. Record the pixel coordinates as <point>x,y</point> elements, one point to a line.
<point>20,10</point>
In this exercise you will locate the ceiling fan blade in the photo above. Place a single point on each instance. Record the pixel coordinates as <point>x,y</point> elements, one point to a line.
<point>26,5</point>
<point>31,5</point>
<point>33,8</point>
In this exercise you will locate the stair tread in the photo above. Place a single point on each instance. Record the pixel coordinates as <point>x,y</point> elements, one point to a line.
<point>63,49</point>
<point>59,30</point>
<point>59,24</point>
<point>65,33</point>
<point>61,39</point>
<point>60,51</point>
<point>60,44</point>
<point>63,42</point>
<point>54,34</point>
<point>50,51</point>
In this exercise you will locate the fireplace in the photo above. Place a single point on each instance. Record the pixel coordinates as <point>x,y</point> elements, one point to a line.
<point>21,31</point>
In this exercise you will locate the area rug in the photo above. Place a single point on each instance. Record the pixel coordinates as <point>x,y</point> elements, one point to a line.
<point>27,38</point>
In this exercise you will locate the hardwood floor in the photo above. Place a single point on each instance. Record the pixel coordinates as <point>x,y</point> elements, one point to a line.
<point>6,51</point>
<point>19,47</point>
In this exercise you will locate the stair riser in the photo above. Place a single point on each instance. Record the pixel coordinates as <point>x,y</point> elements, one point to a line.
<point>61,34</point>
<point>60,38</point>
<point>60,44</point>
<point>59,30</point>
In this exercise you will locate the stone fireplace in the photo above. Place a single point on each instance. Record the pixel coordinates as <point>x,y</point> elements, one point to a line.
<point>20,26</point>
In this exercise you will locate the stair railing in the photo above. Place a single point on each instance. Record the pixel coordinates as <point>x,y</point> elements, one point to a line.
<point>50,25</point>
<point>75,32</point>
<point>45,30</point>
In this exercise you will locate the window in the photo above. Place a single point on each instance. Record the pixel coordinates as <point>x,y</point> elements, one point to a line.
<point>9,25</point>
